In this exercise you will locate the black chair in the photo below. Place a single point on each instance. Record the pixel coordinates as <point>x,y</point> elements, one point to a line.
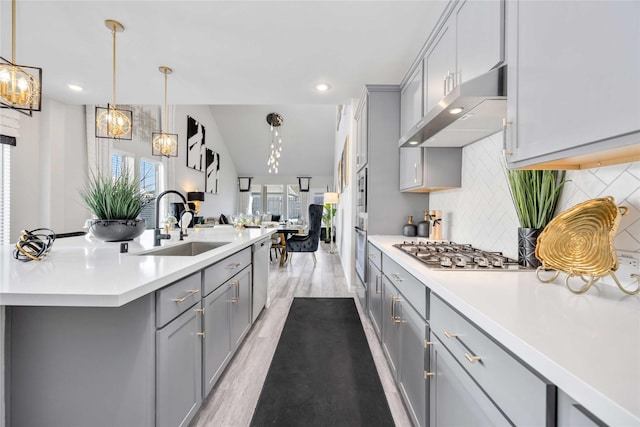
<point>310,242</point>
<point>275,218</point>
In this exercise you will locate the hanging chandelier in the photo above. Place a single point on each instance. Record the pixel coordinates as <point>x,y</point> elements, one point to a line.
<point>20,85</point>
<point>275,120</point>
<point>163,143</point>
<point>112,122</point>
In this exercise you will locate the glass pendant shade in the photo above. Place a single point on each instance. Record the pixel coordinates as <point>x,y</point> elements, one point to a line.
<point>112,122</point>
<point>20,85</point>
<point>163,143</point>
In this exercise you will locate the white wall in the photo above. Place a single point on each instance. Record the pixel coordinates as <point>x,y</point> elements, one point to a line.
<point>184,179</point>
<point>482,213</point>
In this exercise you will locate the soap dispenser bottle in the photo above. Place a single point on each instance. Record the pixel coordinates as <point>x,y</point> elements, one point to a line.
<point>409,228</point>
<point>424,225</point>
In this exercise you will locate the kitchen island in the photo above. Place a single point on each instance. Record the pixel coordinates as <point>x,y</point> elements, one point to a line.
<point>99,337</point>
<point>588,345</point>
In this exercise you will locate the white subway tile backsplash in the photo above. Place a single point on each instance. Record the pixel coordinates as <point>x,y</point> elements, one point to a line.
<point>482,213</point>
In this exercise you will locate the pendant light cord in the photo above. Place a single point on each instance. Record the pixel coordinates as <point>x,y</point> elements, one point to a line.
<point>113,31</point>
<point>165,102</point>
<point>13,31</point>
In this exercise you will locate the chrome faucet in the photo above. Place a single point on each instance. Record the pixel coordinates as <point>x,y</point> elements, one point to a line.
<point>157,235</point>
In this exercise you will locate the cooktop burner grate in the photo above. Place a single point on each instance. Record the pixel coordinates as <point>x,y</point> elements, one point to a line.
<point>455,256</point>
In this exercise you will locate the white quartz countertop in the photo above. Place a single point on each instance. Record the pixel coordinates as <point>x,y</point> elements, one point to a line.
<point>587,345</point>
<point>84,271</point>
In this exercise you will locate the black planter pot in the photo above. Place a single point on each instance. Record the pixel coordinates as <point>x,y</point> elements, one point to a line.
<point>527,241</point>
<point>117,230</point>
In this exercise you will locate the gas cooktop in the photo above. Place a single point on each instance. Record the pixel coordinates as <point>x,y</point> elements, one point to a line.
<point>443,255</point>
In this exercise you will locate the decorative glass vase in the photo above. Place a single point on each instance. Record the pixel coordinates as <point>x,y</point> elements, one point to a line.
<point>527,242</point>
<point>117,230</point>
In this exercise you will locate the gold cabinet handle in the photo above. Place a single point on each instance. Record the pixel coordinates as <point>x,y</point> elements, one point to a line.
<point>472,359</point>
<point>200,334</point>
<point>378,290</point>
<point>394,318</point>
<point>396,277</point>
<point>190,292</point>
<point>450,335</point>
<point>428,374</point>
<point>233,266</point>
<point>427,343</point>
<point>236,292</point>
<point>199,310</point>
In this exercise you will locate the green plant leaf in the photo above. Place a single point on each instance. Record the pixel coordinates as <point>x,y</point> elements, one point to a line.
<point>535,195</point>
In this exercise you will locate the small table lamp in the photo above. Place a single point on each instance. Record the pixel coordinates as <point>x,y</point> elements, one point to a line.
<point>196,197</point>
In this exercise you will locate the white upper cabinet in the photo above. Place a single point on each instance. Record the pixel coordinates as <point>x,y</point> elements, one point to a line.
<point>411,101</point>
<point>479,38</point>
<point>574,83</point>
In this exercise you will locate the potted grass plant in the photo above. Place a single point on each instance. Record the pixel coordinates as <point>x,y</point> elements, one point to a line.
<point>116,204</point>
<point>535,195</point>
<point>327,214</point>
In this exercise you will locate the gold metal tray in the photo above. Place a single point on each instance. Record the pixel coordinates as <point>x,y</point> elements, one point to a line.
<point>579,242</point>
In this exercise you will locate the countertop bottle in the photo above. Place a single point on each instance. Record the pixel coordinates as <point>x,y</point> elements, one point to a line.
<point>424,226</point>
<point>409,228</point>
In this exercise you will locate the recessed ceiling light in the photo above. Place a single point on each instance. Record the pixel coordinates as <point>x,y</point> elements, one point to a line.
<point>456,110</point>
<point>322,87</point>
<point>413,142</point>
<point>75,88</point>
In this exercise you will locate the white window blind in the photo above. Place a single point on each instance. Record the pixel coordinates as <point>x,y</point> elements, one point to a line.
<point>5,193</point>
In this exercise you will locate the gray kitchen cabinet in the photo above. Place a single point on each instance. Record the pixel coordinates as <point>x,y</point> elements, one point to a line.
<point>430,168</point>
<point>227,318</point>
<point>375,296</point>
<point>479,38</point>
<point>361,119</point>
<point>565,109</point>
<point>412,100</point>
<point>572,414</point>
<point>260,276</point>
<point>521,395</point>
<point>440,65</point>
<point>179,369</point>
<point>454,398</point>
<point>391,324</point>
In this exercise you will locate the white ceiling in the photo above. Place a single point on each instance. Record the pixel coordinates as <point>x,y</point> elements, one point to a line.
<point>245,58</point>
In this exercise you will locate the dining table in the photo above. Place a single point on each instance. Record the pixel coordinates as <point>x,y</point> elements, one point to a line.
<point>285,231</point>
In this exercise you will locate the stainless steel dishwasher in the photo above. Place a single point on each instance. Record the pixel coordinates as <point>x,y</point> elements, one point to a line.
<point>260,275</point>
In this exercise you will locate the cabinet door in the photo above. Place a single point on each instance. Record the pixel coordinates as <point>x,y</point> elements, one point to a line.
<point>440,65</point>
<point>413,364</point>
<point>479,37</point>
<point>179,370</point>
<point>217,329</point>
<point>411,101</point>
<point>563,98</point>
<point>410,167</point>
<point>391,320</point>
<point>454,399</point>
<point>240,306</point>
<point>571,413</point>
<point>375,297</point>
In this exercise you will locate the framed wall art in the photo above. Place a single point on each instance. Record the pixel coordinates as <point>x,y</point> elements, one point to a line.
<point>195,144</point>
<point>212,173</point>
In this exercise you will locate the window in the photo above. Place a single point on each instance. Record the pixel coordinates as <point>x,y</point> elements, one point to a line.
<point>5,194</point>
<point>256,199</point>
<point>150,179</point>
<point>293,202</point>
<point>275,199</point>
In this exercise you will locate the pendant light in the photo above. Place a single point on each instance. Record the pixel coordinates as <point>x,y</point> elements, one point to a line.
<point>20,85</point>
<point>112,122</point>
<point>163,143</point>
<point>275,120</point>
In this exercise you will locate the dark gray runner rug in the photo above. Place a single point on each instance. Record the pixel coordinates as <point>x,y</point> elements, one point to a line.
<point>322,372</point>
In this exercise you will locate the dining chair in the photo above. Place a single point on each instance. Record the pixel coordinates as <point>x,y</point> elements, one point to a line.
<point>310,241</point>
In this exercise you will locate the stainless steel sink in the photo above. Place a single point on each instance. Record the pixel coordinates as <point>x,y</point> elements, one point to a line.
<point>184,249</point>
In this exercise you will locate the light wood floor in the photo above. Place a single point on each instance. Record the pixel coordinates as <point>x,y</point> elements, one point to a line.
<point>233,400</point>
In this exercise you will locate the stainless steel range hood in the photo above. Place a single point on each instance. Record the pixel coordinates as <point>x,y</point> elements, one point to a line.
<point>484,104</point>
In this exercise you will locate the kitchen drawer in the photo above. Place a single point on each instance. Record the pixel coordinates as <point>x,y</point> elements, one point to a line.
<point>222,271</point>
<point>177,298</point>
<point>414,292</point>
<point>523,396</point>
<point>375,256</point>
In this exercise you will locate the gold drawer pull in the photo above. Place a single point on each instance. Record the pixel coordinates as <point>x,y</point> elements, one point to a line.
<point>199,310</point>
<point>428,374</point>
<point>396,277</point>
<point>233,266</point>
<point>200,334</point>
<point>472,359</point>
<point>450,335</point>
<point>191,292</point>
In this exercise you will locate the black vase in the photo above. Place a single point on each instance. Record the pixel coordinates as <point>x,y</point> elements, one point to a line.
<point>527,241</point>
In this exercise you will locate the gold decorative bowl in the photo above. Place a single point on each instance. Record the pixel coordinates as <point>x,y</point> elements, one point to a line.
<point>579,242</point>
